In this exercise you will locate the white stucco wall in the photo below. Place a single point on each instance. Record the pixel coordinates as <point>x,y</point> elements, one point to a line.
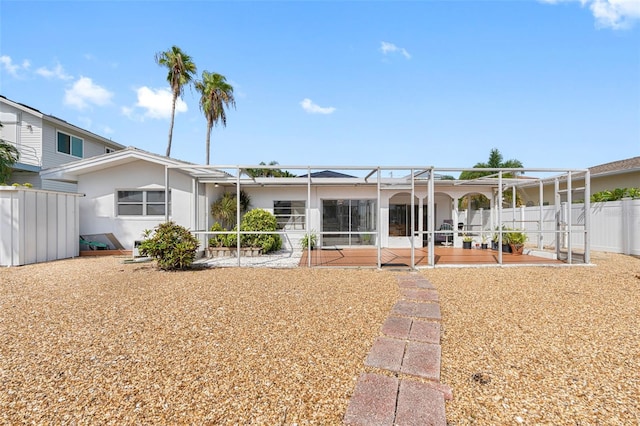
<point>98,212</point>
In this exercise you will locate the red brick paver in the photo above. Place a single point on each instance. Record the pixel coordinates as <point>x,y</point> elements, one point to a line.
<point>425,331</point>
<point>373,402</point>
<point>411,345</point>
<point>398,327</point>
<point>386,353</point>
<point>419,405</point>
<point>422,360</point>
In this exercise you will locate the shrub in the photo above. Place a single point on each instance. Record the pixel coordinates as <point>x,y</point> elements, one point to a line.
<point>172,245</point>
<point>219,240</point>
<point>263,221</point>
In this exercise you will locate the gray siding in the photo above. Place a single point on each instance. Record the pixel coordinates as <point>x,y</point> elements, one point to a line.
<point>51,158</point>
<point>23,130</point>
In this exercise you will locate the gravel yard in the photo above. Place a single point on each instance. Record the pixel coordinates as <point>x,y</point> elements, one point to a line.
<point>556,346</point>
<point>95,341</point>
<point>92,340</point>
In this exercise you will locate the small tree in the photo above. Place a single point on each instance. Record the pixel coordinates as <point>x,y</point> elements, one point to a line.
<point>9,155</point>
<point>224,208</point>
<point>260,220</point>
<point>172,245</point>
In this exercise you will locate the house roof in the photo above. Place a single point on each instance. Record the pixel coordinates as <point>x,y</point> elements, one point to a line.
<point>61,123</point>
<point>616,167</point>
<point>327,174</point>
<point>69,172</point>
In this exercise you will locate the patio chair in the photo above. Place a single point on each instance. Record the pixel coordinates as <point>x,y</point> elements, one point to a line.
<point>445,238</point>
<point>93,245</point>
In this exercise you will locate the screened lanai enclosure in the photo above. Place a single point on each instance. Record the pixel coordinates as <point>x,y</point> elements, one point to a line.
<point>421,215</point>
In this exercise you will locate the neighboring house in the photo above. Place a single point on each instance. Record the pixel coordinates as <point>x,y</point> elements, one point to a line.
<point>604,177</point>
<point>617,174</point>
<point>126,192</point>
<point>46,141</point>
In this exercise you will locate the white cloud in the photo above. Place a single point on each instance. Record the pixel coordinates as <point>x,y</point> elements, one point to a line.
<point>57,72</point>
<point>387,48</point>
<point>11,68</point>
<point>615,14</point>
<point>311,108</point>
<point>85,92</point>
<point>156,103</point>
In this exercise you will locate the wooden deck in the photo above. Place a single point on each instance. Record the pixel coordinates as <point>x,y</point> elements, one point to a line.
<point>401,258</point>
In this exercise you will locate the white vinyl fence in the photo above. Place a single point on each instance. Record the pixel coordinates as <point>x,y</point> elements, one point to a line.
<point>615,225</point>
<point>37,226</point>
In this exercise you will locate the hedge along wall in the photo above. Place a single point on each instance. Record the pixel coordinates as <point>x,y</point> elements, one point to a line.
<point>37,225</point>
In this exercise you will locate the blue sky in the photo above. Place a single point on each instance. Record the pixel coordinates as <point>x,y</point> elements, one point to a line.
<point>554,84</point>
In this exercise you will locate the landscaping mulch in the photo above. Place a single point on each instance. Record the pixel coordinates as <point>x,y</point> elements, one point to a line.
<point>93,340</point>
<point>557,346</point>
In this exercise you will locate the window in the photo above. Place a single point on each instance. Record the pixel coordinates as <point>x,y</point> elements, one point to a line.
<point>108,150</point>
<point>351,217</point>
<point>71,145</point>
<point>290,214</point>
<point>142,203</point>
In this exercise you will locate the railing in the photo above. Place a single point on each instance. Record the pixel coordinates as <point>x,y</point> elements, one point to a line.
<point>28,155</point>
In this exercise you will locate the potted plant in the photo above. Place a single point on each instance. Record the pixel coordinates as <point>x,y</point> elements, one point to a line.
<point>484,244</point>
<point>516,239</point>
<point>308,241</point>
<point>494,240</point>
<point>466,242</point>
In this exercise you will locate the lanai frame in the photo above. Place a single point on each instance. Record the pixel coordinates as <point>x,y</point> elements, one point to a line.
<point>224,175</point>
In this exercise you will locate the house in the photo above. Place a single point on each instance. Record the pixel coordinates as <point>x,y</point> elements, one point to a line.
<point>45,141</point>
<point>603,177</point>
<point>128,191</point>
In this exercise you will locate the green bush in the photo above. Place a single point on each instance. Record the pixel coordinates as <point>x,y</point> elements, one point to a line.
<point>263,221</point>
<point>172,245</point>
<point>615,195</point>
<point>219,240</point>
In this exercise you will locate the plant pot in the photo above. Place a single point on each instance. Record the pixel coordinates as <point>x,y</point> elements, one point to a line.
<point>517,249</point>
<point>484,246</point>
<point>506,248</point>
<point>494,245</point>
<point>466,245</point>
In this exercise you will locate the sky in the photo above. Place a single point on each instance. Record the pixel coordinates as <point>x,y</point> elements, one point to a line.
<point>554,84</point>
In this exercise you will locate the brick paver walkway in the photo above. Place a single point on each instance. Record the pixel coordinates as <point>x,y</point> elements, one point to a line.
<point>407,390</point>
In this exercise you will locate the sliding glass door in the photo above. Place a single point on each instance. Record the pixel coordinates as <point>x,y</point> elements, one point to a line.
<point>344,222</point>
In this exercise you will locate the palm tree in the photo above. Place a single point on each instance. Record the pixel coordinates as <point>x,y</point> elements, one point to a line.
<point>181,71</point>
<point>254,173</point>
<point>495,162</point>
<point>9,155</point>
<point>224,208</point>
<point>215,94</point>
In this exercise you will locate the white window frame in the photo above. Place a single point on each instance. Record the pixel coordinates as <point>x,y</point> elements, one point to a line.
<point>292,220</point>
<point>145,203</point>
<point>71,140</point>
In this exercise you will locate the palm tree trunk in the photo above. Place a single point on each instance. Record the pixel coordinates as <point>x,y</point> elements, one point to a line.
<point>173,116</point>
<point>208,140</point>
